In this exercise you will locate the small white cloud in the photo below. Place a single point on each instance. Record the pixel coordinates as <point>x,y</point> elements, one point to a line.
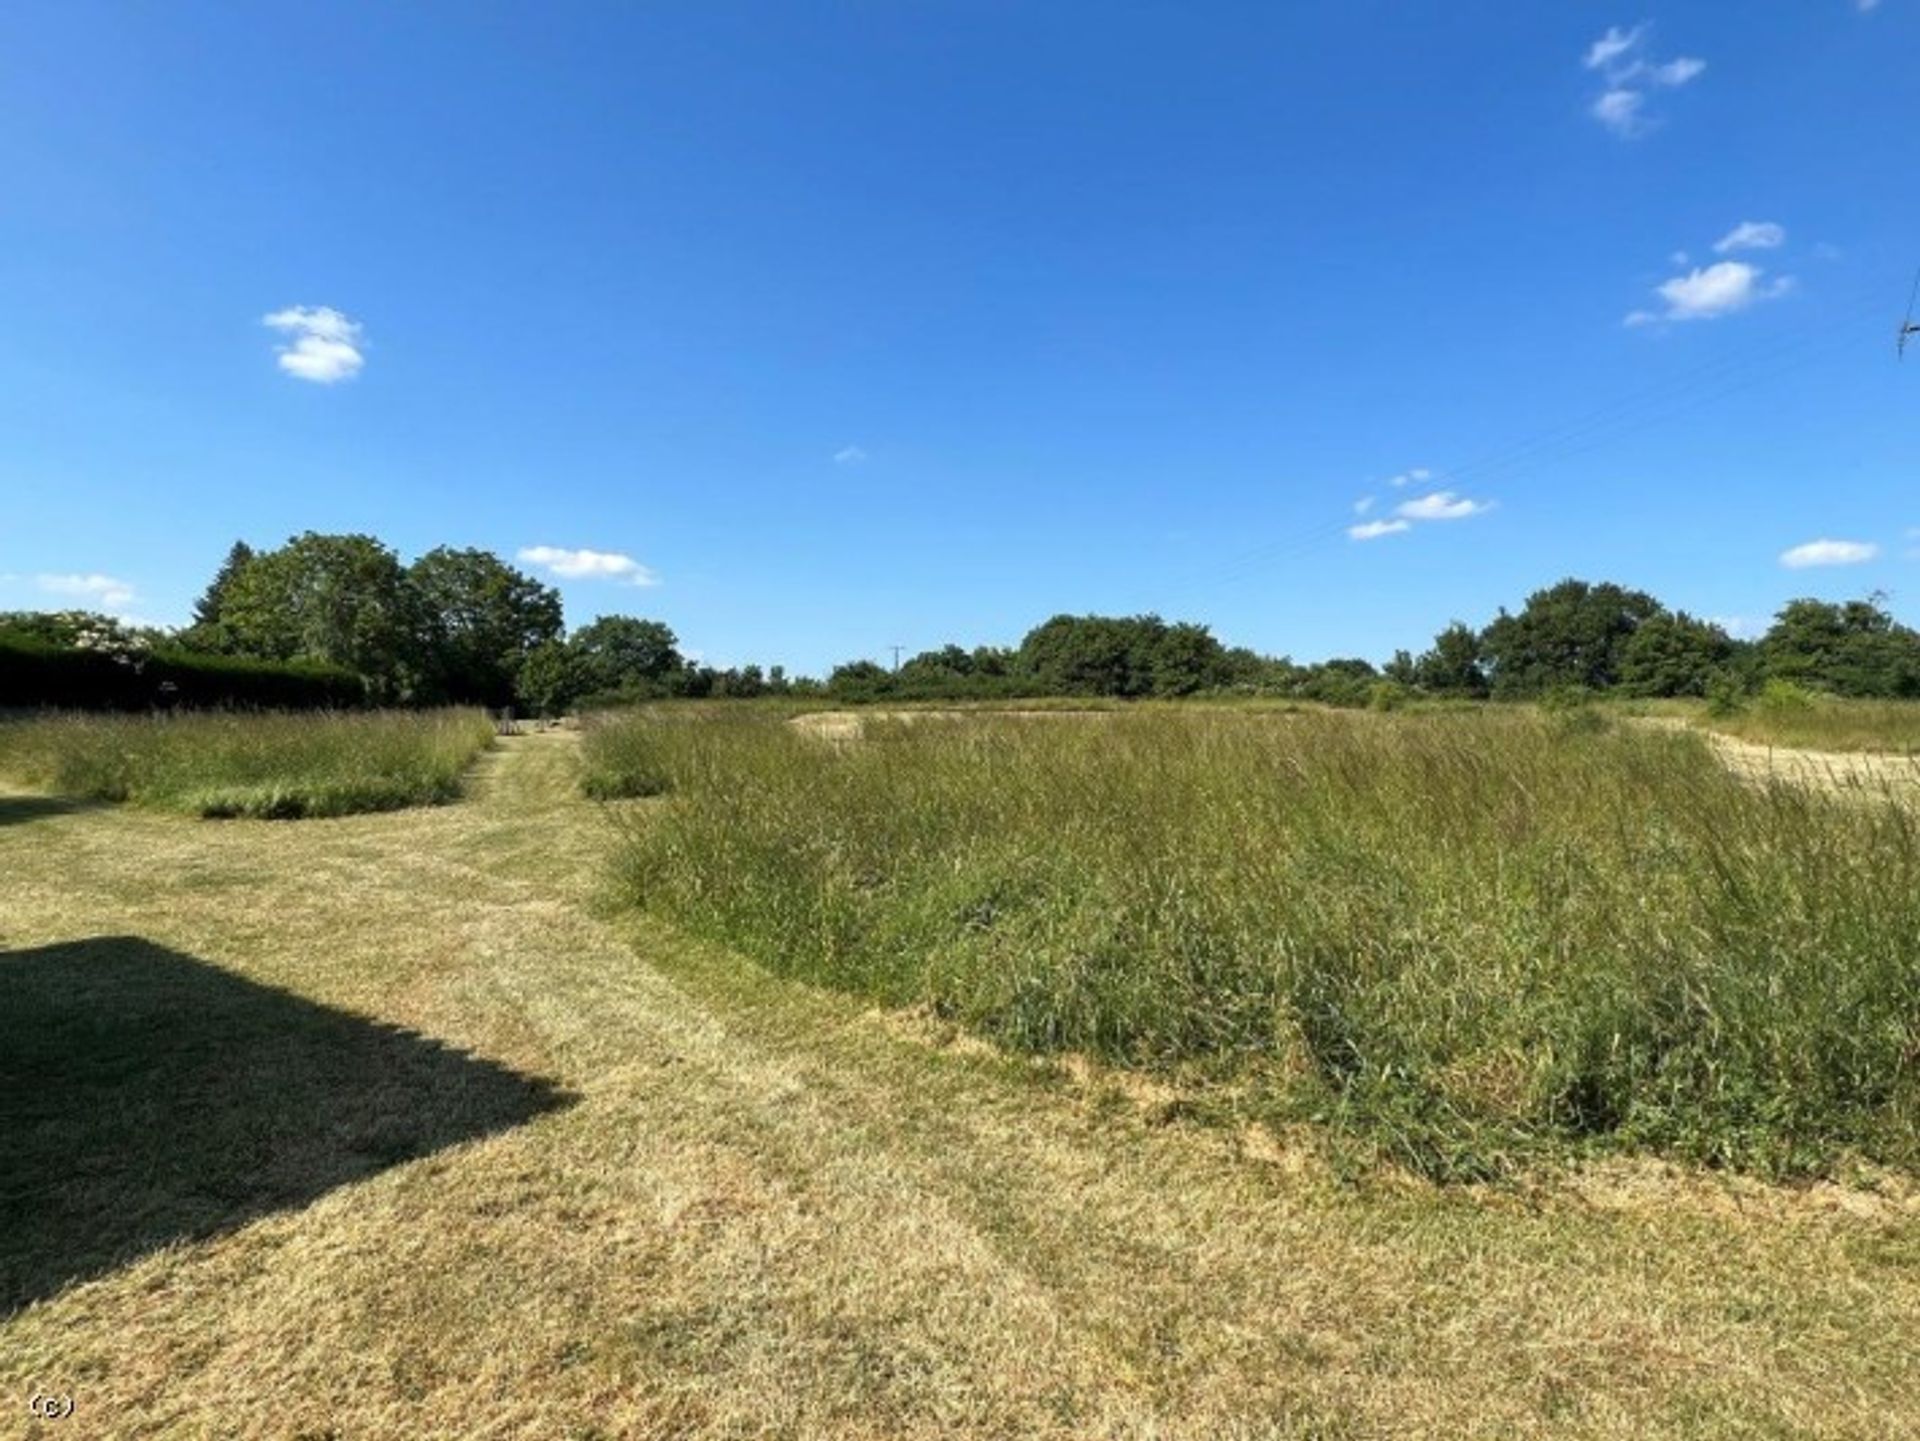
<point>1675,73</point>
<point>325,344</point>
<point>1679,257</point>
<point>1739,626</point>
<point>103,590</point>
<point>1612,46</point>
<point>849,455</point>
<point>1363,505</point>
<point>1419,475</point>
<point>1710,291</point>
<point>1374,529</point>
<point>589,564</point>
<point>1863,6</point>
<point>1620,111</point>
<point>1440,505</point>
<point>1752,235</point>
<point>1828,552</point>
<point>1629,72</point>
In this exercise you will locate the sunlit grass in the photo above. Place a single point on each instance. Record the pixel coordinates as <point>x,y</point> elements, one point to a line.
<point>1471,937</point>
<point>276,766</point>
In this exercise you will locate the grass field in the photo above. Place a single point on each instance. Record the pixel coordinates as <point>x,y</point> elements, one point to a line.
<point>246,764</point>
<point>1825,723</point>
<point>387,1127</point>
<point>1469,936</point>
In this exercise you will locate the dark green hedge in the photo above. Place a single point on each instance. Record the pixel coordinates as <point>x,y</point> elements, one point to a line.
<point>36,675</point>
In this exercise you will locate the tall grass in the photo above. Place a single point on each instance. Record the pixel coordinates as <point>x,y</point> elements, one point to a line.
<point>265,765</point>
<point>1473,937</point>
<point>1783,715</point>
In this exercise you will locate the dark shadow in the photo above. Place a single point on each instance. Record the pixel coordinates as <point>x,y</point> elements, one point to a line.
<point>148,1098</point>
<point>17,809</point>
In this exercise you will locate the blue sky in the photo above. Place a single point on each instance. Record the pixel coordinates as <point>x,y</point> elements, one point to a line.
<point>829,327</point>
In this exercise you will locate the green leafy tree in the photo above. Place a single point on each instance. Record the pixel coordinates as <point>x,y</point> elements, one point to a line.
<point>548,682</point>
<point>1673,654</point>
<point>342,599</point>
<point>489,619</point>
<point>1855,648</point>
<point>1570,634</point>
<point>208,632</point>
<point>1452,665</point>
<point>622,653</point>
<point>860,680</point>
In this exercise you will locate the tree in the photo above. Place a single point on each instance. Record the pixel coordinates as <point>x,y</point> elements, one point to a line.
<point>1120,656</point>
<point>342,599</point>
<point>625,653</point>
<point>1672,654</point>
<point>489,619</point>
<point>1452,665</point>
<point>1570,635</point>
<point>1855,649</point>
<point>548,682</point>
<point>207,609</point>
<point>860,680</point>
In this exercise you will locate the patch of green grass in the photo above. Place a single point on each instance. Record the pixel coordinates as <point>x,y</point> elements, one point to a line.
<point>274,766</point>
<point>1788,716</point>
<point>1470,937</point>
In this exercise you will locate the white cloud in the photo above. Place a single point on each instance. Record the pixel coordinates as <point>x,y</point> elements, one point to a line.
<point>1620,57</point>
<point>1419,475</point>
<point>1374,529</point>
<point>1710,291</point>
<point>1675,73</point>
<point>1752,235</point>
<point>1739,626</point>
<point>849,455</point>
<point>1619,111</point>
<point>1863,6</point>
<point>103,590</point>
<point>1440,505</point>
<point>1828,552</point>
<point>1363,505</point>
<point>1612,46</point>
<point>325,344</point>
<point>589,564</point>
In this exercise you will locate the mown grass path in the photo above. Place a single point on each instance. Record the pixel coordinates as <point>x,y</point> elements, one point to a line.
<point>763,1211</point>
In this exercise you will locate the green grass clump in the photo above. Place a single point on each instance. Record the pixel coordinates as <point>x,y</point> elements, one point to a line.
<point>1785,715</point>
<point>271,766</point>
<point>1473,937</point>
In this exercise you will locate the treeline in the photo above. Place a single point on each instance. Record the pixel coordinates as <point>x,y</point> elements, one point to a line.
<point>1574,637</point>
<point>338,620</point>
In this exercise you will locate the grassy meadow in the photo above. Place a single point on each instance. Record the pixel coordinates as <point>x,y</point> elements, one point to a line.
<point>249,764</point>
<point>394,1126</point>
<point>1471,938</point>
<point>1786,716</point>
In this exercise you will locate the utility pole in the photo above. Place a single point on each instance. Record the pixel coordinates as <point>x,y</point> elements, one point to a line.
<point>896,649</point>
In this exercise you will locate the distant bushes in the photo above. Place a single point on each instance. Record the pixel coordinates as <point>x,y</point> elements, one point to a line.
<point>36,675</point>
<point>1471,936</point>
<point>268,766</point>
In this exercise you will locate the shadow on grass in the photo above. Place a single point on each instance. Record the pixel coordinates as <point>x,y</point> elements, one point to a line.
<point>148,1098</point>
<point>16,810</point>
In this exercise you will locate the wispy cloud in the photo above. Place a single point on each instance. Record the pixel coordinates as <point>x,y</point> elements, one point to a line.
<point>1630,75</point>
<point>1363,505</point>
<point>1752,235</point>
<point>1710,291</point>
<point>849,455</point>
<point>1374,529</point>
<point>1419,475</point>
<point>102,590</point>
<point>323,344</point>
<point>1441,505</point>
<point>1828,552</point>
<point>1611,46</point>
<point>611,565</point>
